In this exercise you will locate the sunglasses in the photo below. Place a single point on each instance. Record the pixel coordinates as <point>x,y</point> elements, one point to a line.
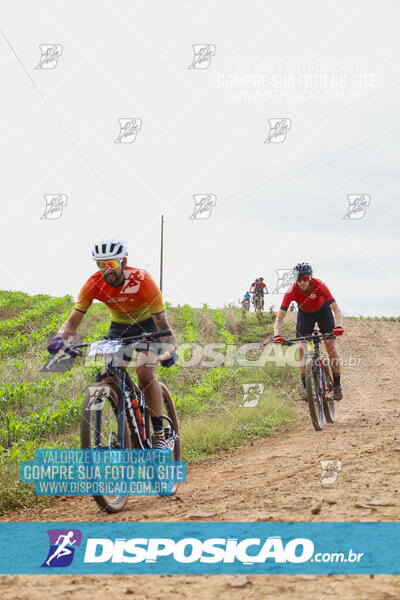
<point>303,278</point>
<point>112,264</point>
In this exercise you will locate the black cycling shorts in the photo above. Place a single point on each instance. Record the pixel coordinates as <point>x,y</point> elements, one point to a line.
<point>118,330</point>
<point>306,321</point>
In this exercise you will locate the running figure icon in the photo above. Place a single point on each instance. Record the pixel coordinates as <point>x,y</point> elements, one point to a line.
<point>62,549</point>
<point>63,543</point>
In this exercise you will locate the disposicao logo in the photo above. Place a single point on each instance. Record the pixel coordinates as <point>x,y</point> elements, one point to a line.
<point>62,542</point>
<point>190,550</point>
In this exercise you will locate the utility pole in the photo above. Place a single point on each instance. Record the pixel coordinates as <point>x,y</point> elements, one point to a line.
<point>162,252</point>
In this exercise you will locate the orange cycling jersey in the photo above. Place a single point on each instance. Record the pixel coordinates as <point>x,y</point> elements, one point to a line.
<point>136,300</point>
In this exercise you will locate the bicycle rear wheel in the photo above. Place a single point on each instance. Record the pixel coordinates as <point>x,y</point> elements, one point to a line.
<point>99,429</point>
<point>327,389</point>
<point>314,396</point>
<point>171,433</point>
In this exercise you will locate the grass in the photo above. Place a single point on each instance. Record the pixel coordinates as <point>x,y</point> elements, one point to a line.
<point>233,427</point>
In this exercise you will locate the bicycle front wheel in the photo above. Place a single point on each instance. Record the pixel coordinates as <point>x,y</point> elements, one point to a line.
<point>327,388</point>
<point>314,396</point>
<point>99,430</point>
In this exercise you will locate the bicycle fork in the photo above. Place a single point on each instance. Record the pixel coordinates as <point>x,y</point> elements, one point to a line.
<point>318,373</point>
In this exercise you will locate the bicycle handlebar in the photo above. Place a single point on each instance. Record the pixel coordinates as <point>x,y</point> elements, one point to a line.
<point>314,337</point>
<point>144,337</point>
<point>148,336</point>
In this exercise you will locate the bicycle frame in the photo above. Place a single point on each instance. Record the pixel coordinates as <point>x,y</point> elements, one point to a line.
<point>313,346</point>
<point>315,370</point>
<point>126,389</point>
<point>329,376</point>
<point>121,376</point>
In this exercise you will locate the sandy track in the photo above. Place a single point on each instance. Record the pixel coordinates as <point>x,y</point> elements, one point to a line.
<point>274,479</point>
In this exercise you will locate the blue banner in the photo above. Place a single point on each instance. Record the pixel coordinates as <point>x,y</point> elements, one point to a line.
<point>200,548</point>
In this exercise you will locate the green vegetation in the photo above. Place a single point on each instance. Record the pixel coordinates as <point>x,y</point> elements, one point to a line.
<point>201,438</point>
<point>43,410</point>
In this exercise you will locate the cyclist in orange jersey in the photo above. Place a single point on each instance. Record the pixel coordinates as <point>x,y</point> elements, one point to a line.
<point>136,306</point>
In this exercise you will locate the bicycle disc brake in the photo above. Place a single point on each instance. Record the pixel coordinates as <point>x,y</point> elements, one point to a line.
<point>113,443</point>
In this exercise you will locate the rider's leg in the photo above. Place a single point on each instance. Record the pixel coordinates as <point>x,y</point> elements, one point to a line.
<point>304,326</point>
<point>334,359</point>
<point>302,353</point>
<point>326,324</point>
<point>300,330</point>
<point>146,363</point>
<point>146,370</point>
<point>302,364</point>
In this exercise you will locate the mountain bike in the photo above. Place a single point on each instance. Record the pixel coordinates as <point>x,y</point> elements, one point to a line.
<point>114,412</point>
<point>319,380</point>
<point>258,301</point>
<point>246,304</point>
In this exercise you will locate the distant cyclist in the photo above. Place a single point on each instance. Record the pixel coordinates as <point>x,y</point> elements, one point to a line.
<point>246,301</point>
<point>253,288</point>
<point>315,303</point>
<point>136,306</point>
<point>261,289</point>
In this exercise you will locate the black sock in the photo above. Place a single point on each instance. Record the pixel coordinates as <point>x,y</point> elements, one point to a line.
<point>157,423</point>
<point>336,379</point>
<point>303,379</point>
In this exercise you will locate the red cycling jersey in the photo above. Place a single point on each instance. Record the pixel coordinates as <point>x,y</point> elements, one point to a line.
<point>311,300</point>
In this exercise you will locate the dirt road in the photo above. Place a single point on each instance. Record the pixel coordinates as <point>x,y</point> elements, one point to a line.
<point>274,479</point>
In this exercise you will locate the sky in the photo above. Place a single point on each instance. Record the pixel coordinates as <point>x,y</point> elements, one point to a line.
<point>280,113</point>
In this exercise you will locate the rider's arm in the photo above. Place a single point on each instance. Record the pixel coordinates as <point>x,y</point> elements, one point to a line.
<point>152,295</point>
<point>278,321</point>
<point>72,323</point>
<point>161,322</point>
<point>333,305</point>
<point>338,314</point>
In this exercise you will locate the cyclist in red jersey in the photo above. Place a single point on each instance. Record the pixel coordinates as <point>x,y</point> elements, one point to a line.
<point>136,306</point>
<point>315,303</point>
<point>253,288</point>
<point>261,287</point>
<point>260,290</point>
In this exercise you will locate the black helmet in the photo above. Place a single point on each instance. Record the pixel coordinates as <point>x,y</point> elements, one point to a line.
<point>302,269</point>
<point>261,279</point>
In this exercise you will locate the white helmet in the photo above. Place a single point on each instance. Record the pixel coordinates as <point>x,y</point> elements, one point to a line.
<point>110,248</point>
